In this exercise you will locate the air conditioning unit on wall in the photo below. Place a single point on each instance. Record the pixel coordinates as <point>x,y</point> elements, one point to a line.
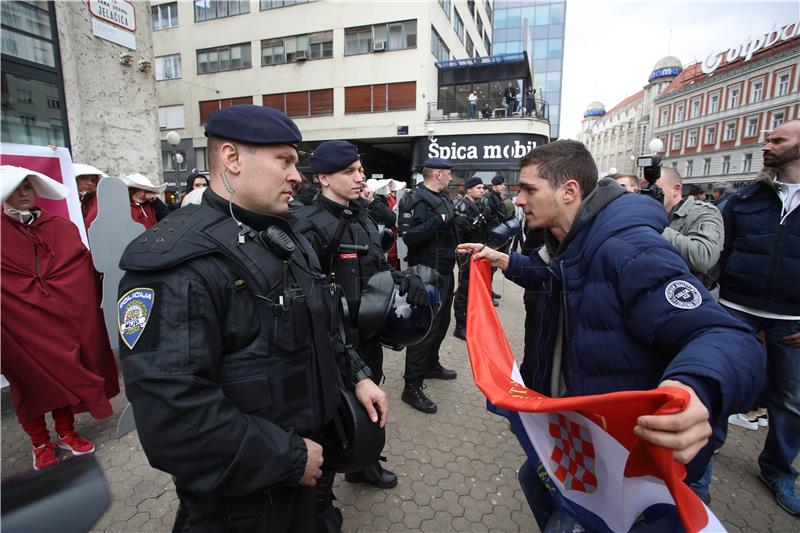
<point>301,55</point>
<point>379,46</point>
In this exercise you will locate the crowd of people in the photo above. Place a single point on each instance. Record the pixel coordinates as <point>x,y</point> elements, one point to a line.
<point>253,327</point>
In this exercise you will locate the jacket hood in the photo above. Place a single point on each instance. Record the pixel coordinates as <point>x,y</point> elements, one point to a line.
<point>594,224</point>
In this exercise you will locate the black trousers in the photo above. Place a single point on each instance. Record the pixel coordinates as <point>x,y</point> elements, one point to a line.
<point>460,298</point>
<point>424,355</point>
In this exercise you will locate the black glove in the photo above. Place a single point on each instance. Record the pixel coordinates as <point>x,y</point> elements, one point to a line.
<point>412,287</point>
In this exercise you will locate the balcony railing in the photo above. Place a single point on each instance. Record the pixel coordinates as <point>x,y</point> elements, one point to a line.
<point>460,110</point>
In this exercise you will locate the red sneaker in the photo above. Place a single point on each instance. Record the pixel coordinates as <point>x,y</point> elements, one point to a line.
<point>44,456</point>
<point>75,443</point>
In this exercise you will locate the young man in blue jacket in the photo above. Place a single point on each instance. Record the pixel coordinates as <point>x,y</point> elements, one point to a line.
<point>760,285</point>
<point>606,278</point>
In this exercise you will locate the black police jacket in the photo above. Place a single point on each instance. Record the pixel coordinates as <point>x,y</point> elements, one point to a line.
<point>471,220</point>
<point>380,212</point>
<point>318,224</point>
<point>431,237</point>
<point>496,208</point>
<point>225,362</point>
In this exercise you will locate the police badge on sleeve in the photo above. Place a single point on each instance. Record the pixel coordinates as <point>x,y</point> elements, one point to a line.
<point>133,313</point>
<point>683,295</point>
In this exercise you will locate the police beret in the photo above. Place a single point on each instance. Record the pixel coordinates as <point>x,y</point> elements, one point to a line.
<point>253,124</point>
<point>695,189</point>
<point>333,156</point>
<point>437,162</point>
<point>470,183</point>
<point>498,180</point>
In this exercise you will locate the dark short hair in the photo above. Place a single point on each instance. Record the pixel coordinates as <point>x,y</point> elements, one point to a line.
<point>561,161</point>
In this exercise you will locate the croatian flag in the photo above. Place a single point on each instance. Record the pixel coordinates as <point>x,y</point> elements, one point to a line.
<point>605,475</point>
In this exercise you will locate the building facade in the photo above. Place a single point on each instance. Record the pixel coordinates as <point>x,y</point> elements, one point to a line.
<point>64,83</point>
<point>546,21</point>
<point>618,136</point>
<point>393,77</point>
<point>713,117</point>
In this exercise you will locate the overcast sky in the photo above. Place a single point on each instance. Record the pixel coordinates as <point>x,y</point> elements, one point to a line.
<point>611,46</point>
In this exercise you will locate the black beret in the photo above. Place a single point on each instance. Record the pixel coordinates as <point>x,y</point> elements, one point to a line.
<point>333,156</point>
<point>498,180</point>
<point>253,124</point>
<point>437,162</point>
<point>470,183</point>
<point>695,189</point>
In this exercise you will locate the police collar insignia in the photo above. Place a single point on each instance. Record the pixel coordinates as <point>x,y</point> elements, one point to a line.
<point>683,295</point>
<point>133,313</point>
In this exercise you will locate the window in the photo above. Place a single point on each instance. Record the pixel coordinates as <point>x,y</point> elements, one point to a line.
<point>480,26</point>
<point>488,6</point>
<point>752,127</point>
<point>302,103</point>
<point>726,165</point>
<point>380,97</point>
<point>233,57</point>
<point>27,120</point>
<point>706,166</point>
<point>756,88</point>
<point>783,84</point>
<point>273,4</point>
<point>27,33</point>
<point>733,97</point>
<point>357,40</point>
<point>168,67</point>
<point>53,103</point>
<point>691,140</point>
<point>664,119</point>
<point>438,48</point>
<point>488,44</point>
<point>470,47</point>
<point>471,7</point>
<point>689,167</point>
<point>458,26</point>
<point>747,163</point>
<point>711,134</point>
<point>209,106</point>
<point>201,159</point>
<point>679,113</point>
<point>730,131</point>
<point>713,105</point>
<point>445,6</point>
<point>291,49</point>
<point>777,119</point>
<point>164,16</point>
<point>24,96</point>
<point>214,9</point>
<point>168,160</point>
<point>171,117</point>
<point>695,109</point>
<point>676,141</point>
<point>394,36</point>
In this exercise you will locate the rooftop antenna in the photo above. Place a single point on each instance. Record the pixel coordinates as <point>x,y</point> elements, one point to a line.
<point>669,39</point>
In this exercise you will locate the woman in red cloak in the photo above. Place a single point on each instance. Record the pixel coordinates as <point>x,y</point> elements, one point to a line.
<point>56,353</point>
<point>86,178</point>
<point>139,187</point>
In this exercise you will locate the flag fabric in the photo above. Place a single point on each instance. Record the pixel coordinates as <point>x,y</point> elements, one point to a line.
<point>605,475</point>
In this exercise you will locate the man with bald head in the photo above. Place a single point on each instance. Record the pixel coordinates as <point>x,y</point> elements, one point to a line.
<point>695,227</point>
<point>760,286</point>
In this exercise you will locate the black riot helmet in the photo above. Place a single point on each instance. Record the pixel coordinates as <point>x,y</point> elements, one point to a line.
<point>499,235</point>
<point>351,441</point>
<point>383,313</point>
<point>387,240</point>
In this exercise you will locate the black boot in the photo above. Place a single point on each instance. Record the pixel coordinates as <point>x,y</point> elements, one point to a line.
<point>374,475</point>
<point>460,333</point>
<point>437,371</point>
<point>413,396</point>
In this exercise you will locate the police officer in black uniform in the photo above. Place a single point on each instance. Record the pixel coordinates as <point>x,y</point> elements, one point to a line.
<point>471,217</point>
<point>429,231</point>
<point>340,204</point>
<point>496,214</point>
<point>227,352</point>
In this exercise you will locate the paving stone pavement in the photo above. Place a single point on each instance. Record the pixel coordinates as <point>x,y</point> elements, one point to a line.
<point>457,468</point>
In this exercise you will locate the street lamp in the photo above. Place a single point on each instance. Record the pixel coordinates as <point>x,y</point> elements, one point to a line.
<point>174,139</point>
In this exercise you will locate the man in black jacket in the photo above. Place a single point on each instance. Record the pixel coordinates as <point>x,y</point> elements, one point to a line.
<point>226,347</point>
<point>430,235</point>
<point>338,171</point>
<point>471,224</point>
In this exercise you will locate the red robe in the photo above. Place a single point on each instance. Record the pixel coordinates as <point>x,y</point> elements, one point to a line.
<point>392,256</point>
<point>55,346</point>
<point>143,214</point>
<point>89,208</point>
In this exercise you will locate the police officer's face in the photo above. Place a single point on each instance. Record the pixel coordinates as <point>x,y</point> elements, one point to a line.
<point>537,199</point>
<point>23,198</point>
<point>266,177</point>
<point>344,185</point>
<point>476,192</point>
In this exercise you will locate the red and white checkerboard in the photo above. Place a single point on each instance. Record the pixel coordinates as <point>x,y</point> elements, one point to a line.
<point>573,456</point>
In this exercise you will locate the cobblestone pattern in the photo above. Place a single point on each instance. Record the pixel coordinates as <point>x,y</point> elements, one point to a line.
<point>457,468</point>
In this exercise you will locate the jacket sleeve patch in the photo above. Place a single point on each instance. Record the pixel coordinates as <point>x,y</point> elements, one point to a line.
<point>683,295</point>
<point>134,309</point>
